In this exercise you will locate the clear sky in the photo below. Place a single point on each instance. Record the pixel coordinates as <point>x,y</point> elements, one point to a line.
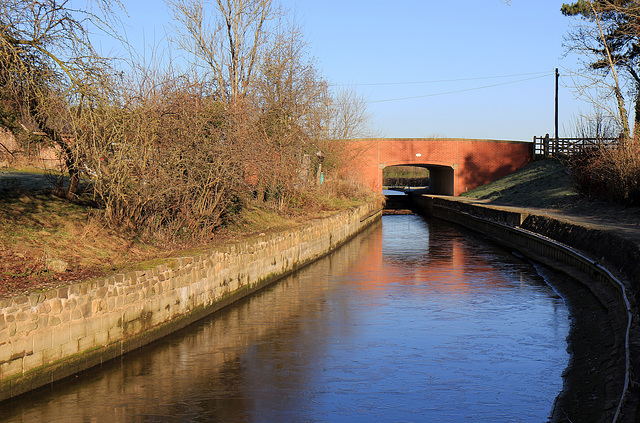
<point>422,65</point>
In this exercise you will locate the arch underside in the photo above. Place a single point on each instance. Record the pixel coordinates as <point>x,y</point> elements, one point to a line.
<point>441,177</point>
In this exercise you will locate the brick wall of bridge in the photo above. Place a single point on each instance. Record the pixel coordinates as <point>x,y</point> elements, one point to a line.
<point>468,163</point>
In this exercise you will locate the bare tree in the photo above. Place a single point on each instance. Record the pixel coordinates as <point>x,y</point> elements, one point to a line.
<point>230,44</point>
<point>612,67</point>
<point>347,116</point>
<point>289,97</point>
<point>277,102</point>
<point>609,41</point>
<point>48,67</point>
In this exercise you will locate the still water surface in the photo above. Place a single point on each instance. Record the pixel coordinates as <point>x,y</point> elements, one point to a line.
<point>411,321</point>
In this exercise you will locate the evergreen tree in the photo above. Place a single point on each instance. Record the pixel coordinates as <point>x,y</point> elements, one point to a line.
<point>611,41</point>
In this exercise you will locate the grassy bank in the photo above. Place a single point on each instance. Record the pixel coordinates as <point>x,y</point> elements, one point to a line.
<point>547,185</point>
<point>47,241</point>
<point>540,184</point>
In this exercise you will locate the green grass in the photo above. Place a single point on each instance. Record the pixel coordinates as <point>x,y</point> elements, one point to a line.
<point>405,172</point>
<point>541,184</point>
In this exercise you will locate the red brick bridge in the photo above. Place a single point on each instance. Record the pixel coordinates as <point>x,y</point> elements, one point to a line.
<point>455,165</point>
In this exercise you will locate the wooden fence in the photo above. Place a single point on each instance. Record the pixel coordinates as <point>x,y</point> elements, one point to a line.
<point>565,147</point>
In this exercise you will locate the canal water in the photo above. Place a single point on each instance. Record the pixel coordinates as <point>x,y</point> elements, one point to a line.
<point>412,321</point>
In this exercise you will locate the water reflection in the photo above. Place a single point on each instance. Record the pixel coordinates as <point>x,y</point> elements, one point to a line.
<point>392,192</point>
<point>409,322</point>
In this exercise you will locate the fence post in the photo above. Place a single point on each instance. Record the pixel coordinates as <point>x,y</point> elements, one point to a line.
<point>545,146</point>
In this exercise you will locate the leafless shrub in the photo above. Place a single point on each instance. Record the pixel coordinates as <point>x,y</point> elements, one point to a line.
<point>48,66</point>
<point>612,174</point>
<point>173,153</point>
<point>609,172</point>
<point>159,162</point>
<point>597,125</point>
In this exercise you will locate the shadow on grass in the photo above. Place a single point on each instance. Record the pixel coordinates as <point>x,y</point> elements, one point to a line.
<point>540,184</point>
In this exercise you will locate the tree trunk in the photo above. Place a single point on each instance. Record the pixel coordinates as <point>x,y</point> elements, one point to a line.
<point>636,119</point>
<point>621,108</point>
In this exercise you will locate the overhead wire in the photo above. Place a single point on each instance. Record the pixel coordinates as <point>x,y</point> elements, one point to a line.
<point>445,80</point>
<point>460,90</point>
<point>538,75</point>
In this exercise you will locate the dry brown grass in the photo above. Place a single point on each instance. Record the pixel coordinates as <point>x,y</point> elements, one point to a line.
<point>46,241</point>
<point>41,231</point>
<point>611,174</point>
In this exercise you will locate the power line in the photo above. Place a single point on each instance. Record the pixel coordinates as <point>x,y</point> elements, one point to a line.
<point>444,80</point>
<point>462,90</point>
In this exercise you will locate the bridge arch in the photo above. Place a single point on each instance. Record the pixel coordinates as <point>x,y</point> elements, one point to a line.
<point>441,176</point>
<point>457,165</point>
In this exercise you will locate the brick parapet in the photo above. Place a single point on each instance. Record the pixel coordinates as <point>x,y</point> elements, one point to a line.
<point>471,162</point>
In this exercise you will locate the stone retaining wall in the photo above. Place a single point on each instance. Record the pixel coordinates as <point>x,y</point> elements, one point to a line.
<point>586,262</point>
<point>46,336</point>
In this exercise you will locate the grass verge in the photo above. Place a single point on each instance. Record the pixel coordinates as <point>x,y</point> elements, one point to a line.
<point>540,184</point>
<point>47,241</point>
<point>547,185</point>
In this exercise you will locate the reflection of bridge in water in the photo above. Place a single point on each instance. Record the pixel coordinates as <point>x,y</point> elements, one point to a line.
<point>455,165</point>
<point>442,260</point>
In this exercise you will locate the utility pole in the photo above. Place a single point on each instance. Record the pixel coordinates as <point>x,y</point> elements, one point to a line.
<point>557,77</point>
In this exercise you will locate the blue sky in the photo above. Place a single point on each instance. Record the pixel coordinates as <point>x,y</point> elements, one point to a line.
<point>392,51</point>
